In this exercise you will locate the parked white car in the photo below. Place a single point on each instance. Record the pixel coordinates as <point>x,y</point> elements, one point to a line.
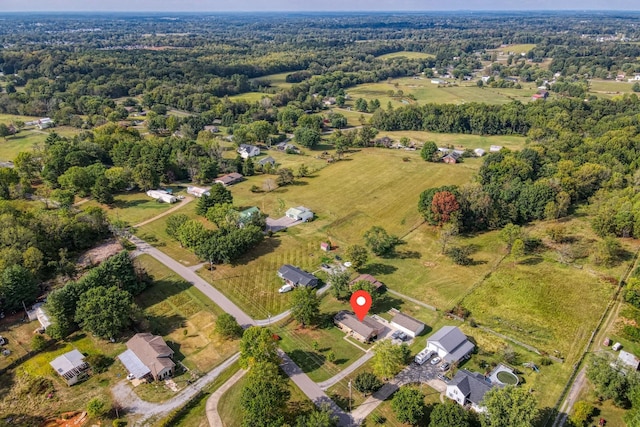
<point>285,288</point>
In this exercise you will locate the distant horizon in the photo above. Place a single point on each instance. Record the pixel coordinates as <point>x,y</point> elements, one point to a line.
<point>297,6</point>
<point>376,11</point>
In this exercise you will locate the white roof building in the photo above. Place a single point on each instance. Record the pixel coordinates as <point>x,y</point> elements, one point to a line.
<point>162,196</point>
<point>479,152</point>
<point>197,191</point>
<point>300,213</point>
<point>495,148</point>
<point>70,366</point>
<point>450,344</point>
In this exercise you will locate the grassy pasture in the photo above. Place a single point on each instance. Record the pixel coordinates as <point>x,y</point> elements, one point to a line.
<point>609,88</point>
<point>460,141</point>
<point>250,97</point>
<point>406,54</point>
<point>514,48</point>
<point>277,80</point>
<point>426,92</point>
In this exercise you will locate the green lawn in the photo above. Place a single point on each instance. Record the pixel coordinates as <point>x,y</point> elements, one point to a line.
<point>461,141</point>
<point>184,316</point>
<point>23,141</point>
<point>230,404</point>
<point>250,97</point>
<point>406,54</point>
<point>277,80</point>
<point>132,207</point>
<point>426,92</point>
<point>609,88</point>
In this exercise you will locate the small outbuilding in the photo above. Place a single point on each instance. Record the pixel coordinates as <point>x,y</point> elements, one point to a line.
<point>198,191</point>
<point>629,360</point>
<point>325,246</point>
<point>300,213</point>
<point>407,324</point>
<point>368,278</point>
<point>162,196</point>
<point>495,148</point>
<point>479,152</point>
<point>248,214</point>
<point>71,366</point>
<point>267,161</point>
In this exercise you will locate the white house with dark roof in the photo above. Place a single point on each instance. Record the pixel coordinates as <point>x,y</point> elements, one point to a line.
<point>407,324</point>
<point>468,389</point>
<point>296,277</point>
<point>70,366</point>
<point>450,344</point>
<point>299,213</point>
<point>246,151</point>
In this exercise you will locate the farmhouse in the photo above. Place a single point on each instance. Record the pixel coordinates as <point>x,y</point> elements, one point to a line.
<point>229,179</point>
<point>197,191</point>
<point>70,366</point>
<point>364,331</point>
<point>407,324</point>
<point>628,360</point>
<point>45,123</point>
<point>267,161</point>
<point>162,196</point>
<point>451,158</point>
<point>450,344</point>
<point>148,356</point>
<point>468,388</point>
<point>296,277</point>
<point>247,214</point>
<point>300,213</point>
<point>246,151</point>
<point>367,278</point>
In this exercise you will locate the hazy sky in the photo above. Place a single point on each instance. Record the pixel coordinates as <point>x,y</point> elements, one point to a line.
<point>309,5</point>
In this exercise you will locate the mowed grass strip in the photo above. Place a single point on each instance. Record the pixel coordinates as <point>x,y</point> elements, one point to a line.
<point>184,316</point>
<point>545,304</point>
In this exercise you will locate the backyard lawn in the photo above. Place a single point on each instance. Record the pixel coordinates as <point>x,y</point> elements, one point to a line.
<point>184,316</point>
<point>132,208</point>
<point>406,54</point>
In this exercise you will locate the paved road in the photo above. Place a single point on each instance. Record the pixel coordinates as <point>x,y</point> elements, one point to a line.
<point>126,397</point>
<point>212,403</point>
<point>312,390</point>
<point>212,293</point>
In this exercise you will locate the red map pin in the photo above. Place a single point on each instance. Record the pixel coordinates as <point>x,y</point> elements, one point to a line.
<point>361,303</point>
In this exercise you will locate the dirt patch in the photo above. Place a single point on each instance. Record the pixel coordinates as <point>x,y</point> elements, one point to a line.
<point>70,419</point>
<point>429,264</point>
<point>98,254</point>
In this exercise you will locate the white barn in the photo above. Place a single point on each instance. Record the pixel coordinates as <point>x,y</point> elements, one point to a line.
<point>198,191</point>
<point>162,196</point>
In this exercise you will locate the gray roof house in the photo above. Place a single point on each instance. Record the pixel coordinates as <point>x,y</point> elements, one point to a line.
<point>450,344</point>
<point>468,388</point>
<point>296,277</point>
<point>148,355</point>
<point>267,160</point>
<point>363,331</point>
<point>70,366</point>
<point>246,151</point>
<point>628,360</point>
<point>407,324</point>
<point>229,179</point>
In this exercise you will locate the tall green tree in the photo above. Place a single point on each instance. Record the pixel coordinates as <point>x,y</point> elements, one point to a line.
<point>389,359</point>
<point>218,194</point>
<point>509,406</point>
<point>307,137</point>
<point>264,396</point>
<point>379,241</point>
<point>429,151</point>
<point>17,286</point>
<point>257,346</point>
<point>320,417</point>
<point>305,305</point>
<point>105,312</point>
<point>173,224</point>
<point>449,414</point>
<point>357,255</point>
<point>339,281</point>
<point>228,327</point>
<point>408,405</point>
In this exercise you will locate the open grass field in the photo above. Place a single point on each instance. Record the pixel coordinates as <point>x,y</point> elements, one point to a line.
<point>461,141</point>
<point>230,404</point>
<point>406,54</point>
<point>426,92</point>
<point>132,207</point>
<point>22,141</point>
<point>277,80</point>
<point>514,48</point>
<point>250,97</point>
<point>609,88</point>
<point>184,316</point>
